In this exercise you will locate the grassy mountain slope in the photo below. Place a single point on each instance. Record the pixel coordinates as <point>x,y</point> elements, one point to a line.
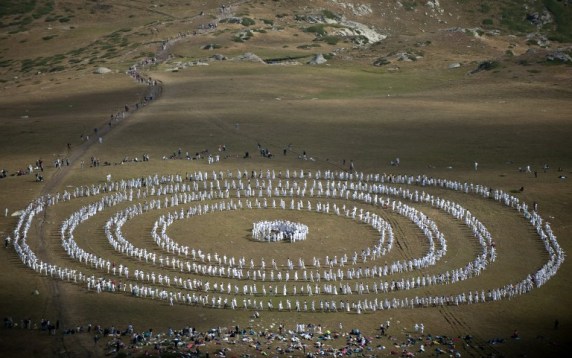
<point>39,36</point>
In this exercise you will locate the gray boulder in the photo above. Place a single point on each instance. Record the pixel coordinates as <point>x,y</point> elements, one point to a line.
<point>250,57</point>
<point>318,59</point>
<point>101,70</point>
<point>558,56</point>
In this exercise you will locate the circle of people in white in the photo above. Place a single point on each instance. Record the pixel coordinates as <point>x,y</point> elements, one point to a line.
<point>279,230</point>
<point>289,286</point>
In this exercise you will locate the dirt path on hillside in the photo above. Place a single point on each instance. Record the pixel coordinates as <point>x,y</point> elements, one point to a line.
<point>55,304</point>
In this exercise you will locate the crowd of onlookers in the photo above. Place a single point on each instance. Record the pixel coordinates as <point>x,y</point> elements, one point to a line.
<point>309,340</point>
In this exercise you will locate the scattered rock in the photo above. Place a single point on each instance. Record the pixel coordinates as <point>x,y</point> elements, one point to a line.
<point>435,6</point>
<point>364,34</point>
<point>101,70</point>
<point>485,66</point>
<point>537,39</point>
<point>312,19</point>
<point>244,35</point>
<point>407,56</point>
<point>422,43</point>
<point>356,9</point>
<point>218,57</point>
<point>454,65</point>
<point>540,19</point>
<point>250,57</point>
<point>232,20</point>
<point>357,29</point>
<point>475,31</point>
<point>382,61</point>
<point>558,56</point>
<point>210,46</point>
<point>317,60</point>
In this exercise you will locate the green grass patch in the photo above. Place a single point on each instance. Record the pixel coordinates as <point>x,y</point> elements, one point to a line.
<point>16,7</point>
<point>331,40</point>
<point>110,54</point>
<point>330,14</point>
<point>318,29</point>
<point>307,47</point>
<point>49,37</point>
<point>328,56</point>
<point>211,46</point>
<point>57,68</point>
<point>19,21</point>
<point>513,17</point>
<point>243,36</point>
<point>268,22</point>
<point>409,5</point>
<point>247,21</point>
<point>242,13</point>
<point>77,51</point>
<point>563,18</point>
<point>484,8</point>
<point>43,10</point>
<point>360,40</point>
<point>26,21</point>
<point>5,63</point>
<point>58,58</point>
<point>27,65</point>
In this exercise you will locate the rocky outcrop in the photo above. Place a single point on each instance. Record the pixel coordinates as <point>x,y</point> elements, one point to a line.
<point>559,56</point>
<point>318,59</point>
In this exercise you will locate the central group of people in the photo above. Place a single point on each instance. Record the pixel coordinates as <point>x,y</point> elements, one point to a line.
<point>279,230</point>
